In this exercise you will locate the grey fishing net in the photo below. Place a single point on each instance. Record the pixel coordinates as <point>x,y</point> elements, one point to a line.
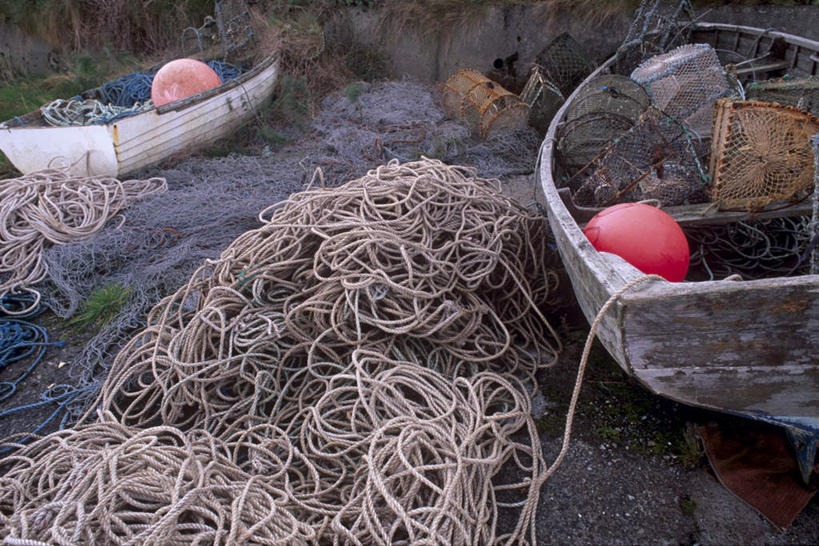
<point>655,159</point>
<point>211,201</point>
<point>685,83</point>
<point>754,249</point>
<point>814,219</point>
<point>603,109</point>
<point>802,93</point>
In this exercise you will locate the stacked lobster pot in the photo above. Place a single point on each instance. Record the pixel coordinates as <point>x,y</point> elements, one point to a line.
<point>685,83</point>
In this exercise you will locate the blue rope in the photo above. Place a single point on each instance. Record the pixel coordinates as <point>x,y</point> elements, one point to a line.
<point>13,303</point>
<point>225,71</point>
<point>127,90</point>
<point>20,339</point>
<point>62,395</point>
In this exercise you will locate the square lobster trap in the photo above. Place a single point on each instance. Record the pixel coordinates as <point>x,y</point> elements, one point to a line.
<point>543,98</point>
<point>656,159</point>
<point>684,83</point>
<point>761,153</point>
<point>482,103</point>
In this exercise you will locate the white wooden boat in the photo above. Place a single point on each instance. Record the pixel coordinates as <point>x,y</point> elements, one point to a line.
<point>749,348</point>
<point>138,141</point>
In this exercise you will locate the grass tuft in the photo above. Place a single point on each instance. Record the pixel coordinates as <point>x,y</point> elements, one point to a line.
<point>101,307</point>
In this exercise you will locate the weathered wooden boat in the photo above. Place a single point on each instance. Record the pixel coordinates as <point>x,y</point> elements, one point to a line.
<point>748,348</point>
<point>140,140</point>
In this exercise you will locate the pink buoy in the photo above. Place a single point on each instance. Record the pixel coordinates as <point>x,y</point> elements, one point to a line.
<point>645,236</point>
<point>182,78</point>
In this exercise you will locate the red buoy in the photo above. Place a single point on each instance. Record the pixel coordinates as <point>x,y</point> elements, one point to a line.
<point>645,236</point>
<point>182,78</point>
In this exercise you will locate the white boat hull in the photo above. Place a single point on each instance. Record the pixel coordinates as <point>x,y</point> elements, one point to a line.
<point>135,142</point>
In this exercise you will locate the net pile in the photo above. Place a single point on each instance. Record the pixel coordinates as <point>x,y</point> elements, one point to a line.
<point>802,93</point>
<point>658,26</point>
<point>655,159</point>
<point>52,207</point>
<point>484,105</point>
<point>404,121</point>
<point>685,83</point>
<point>604,109</point>
<point>348,372</point>
<point>761,153</point>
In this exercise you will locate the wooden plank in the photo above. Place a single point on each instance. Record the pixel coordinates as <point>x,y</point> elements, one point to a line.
<point>759,390</point>
<point>723,324</point>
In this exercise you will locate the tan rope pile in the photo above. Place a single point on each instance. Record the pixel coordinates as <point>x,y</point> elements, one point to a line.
<point>361,364</point>
<point>53,207</point>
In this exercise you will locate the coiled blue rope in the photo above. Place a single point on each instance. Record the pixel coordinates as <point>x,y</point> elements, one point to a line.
<point>225,71</point>
<point>21,340</point>
<point>127,90</point>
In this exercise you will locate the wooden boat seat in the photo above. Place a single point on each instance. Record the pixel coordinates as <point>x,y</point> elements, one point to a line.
<point>761,70</point>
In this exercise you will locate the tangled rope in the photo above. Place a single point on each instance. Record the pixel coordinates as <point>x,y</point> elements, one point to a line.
<point>54,207</point>
<point>64,113</point>
<point>358,370</point>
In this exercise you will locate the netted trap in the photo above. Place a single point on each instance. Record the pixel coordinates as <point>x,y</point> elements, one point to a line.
<point>657,27</point>
<point>655,159</point>
<point>543,98</point>
<point>685,83</point>
<point>802,93</point>
<point>605,108</point>
<point>612,94</point>
<point>564,63</point>
<point>482,103</point>
<point>230,28</point>
<point>761,153</point>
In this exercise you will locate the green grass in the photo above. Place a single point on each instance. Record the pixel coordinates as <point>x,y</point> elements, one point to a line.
<point>688,506</point>
<point>22,95</point>
<point>101,307</point>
